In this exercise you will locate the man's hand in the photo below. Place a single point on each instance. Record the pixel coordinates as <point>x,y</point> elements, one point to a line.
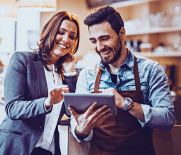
<point>118,98</point>
<point>88,120</point>
<point>55,96</point>
<point>136,111</point>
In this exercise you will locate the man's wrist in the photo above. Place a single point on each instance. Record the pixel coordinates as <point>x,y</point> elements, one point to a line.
<point>128,104</point>
<point>80,135</point>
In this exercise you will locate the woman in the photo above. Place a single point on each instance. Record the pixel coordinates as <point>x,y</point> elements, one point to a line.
<point>34,84</point>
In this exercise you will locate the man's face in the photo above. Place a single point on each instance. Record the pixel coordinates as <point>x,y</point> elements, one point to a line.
<point>106,42</point>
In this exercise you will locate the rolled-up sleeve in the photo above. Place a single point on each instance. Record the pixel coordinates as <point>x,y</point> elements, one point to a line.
<point>160,113</point>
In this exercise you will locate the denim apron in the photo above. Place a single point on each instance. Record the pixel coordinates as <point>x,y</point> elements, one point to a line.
<point>122,134</point>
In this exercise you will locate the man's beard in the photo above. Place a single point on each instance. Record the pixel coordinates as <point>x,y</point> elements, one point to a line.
<point>116,56</point>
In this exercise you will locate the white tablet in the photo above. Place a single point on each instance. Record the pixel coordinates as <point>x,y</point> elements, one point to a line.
<point>81,102</point>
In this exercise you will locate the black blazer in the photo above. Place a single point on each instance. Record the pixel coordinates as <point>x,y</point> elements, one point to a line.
<point>25,90</point>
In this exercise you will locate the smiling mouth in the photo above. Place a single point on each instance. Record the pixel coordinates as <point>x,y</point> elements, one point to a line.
<point>105,53</point>
<point>62,46</point>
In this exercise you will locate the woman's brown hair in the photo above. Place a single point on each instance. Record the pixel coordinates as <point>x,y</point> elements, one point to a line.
<point>48,36</point>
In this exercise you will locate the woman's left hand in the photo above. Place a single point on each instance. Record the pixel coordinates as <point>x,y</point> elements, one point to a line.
<point>69,63</point>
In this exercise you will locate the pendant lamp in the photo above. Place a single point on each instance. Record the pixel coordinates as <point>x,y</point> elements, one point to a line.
<point>38,5</point>
<point>8,8</point>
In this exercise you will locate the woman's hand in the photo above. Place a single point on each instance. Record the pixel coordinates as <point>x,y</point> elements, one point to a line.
<point>69,63</point>
<point>56,95</point>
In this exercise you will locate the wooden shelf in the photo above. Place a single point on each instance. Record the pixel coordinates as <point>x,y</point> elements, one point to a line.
<point>153,30</point>
<point>161,54</point>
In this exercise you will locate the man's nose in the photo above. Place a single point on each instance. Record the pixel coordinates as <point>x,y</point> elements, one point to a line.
<point>100,46</point>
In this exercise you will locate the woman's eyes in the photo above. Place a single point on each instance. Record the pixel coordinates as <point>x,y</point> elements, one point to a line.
<point>61,33</point>
<point>71,36</point>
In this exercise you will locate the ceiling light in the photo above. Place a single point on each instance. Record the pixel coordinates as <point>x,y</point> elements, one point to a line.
<point>38,5</point>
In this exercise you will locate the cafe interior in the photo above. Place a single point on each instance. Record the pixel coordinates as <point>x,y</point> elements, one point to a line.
<point>153,30</point>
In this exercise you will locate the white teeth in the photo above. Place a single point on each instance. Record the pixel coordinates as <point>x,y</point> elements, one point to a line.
<point>62,46</point>
<point>106,52</point>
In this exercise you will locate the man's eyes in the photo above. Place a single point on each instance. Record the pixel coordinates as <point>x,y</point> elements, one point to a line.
<point>93,41</point>
<point>105,38</point>
<point>101,39</point>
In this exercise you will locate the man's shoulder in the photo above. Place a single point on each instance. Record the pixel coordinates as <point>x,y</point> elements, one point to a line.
<point>147,63</point>
<point>93,68</point>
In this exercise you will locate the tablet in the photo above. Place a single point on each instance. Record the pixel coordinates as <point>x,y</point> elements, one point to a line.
<point>81,102</point>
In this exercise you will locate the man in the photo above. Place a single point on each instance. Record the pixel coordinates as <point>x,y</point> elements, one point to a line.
<point>141,91</point>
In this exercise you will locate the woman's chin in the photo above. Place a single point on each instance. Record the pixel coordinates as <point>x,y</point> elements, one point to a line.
<point>59,53</point>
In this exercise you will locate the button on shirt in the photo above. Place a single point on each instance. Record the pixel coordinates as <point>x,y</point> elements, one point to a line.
<point>157,107</point>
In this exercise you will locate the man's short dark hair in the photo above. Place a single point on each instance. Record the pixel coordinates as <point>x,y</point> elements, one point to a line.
<point>106,13</point>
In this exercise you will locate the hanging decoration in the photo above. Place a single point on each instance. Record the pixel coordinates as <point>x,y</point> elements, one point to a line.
<point>38,5</point>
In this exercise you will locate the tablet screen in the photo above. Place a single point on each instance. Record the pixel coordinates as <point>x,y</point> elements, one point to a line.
<point>81,102</point>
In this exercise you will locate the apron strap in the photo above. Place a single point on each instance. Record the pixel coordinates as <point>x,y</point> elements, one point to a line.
<point>98,77</point>
<point>136,77</point>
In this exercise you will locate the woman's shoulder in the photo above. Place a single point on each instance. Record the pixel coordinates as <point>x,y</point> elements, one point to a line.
<point>24,56</point>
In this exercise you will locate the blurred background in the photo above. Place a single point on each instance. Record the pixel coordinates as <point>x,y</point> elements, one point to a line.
<point>153,30</point>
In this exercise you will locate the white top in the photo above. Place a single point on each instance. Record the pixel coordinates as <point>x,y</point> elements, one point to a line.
<point>46,140</point>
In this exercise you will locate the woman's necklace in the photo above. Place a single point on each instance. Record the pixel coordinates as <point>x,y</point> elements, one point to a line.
<point>54,81</point>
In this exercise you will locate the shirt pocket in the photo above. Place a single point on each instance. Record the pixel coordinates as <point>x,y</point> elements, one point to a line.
<point>102,87</point>
<point>143,88</point>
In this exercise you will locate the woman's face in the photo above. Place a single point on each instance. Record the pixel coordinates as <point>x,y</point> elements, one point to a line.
<point>65,40</point>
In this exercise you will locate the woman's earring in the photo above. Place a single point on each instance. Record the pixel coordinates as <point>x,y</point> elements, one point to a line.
<point>71,51</point>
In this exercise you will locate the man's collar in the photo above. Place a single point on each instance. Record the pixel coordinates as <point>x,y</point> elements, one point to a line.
<point>129,61</point>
